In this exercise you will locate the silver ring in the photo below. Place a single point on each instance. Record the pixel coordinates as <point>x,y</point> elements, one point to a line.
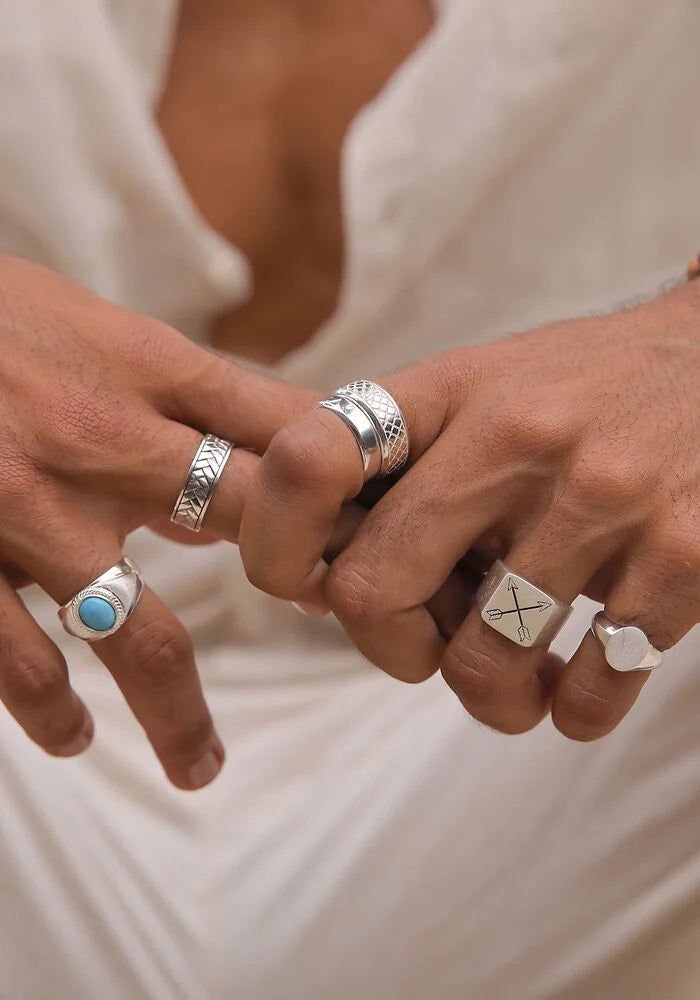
<point>101,608</point>
<point>518,609</point>
<point>626,646</point>
<point>377,424</point>
<point>202,477</point>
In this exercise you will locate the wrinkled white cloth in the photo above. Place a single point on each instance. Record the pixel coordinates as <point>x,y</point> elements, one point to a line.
<point>366,839</point>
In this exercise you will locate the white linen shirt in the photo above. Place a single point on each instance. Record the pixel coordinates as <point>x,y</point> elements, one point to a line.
<point>529,161</point>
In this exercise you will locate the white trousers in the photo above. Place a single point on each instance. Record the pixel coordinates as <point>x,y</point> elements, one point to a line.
<point>365,840</point>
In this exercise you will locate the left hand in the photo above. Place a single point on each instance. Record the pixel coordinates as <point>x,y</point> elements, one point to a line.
<point>570,451</point>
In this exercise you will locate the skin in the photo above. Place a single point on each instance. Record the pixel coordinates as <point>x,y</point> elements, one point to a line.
<point>100,423</point>
<point>100,415</point>
<point>101,410</point>
<point>258,101</point>
<point>569,451</point>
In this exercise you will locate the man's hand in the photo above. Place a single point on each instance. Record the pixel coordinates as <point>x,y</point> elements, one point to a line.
<point>101,412</point>
<point>570,451</point>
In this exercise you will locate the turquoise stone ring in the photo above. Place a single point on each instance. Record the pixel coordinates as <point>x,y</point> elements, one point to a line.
<point>102,607</point>
<point>97,613</point>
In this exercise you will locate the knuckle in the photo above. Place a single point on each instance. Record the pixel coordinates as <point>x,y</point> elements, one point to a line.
<point>676,558</point>
<point>270,575</point>
<point>459,370</point>
<point>178,368</point>
<point>505,428</point>
<point>474,675</point>
<point>354,593</point>
<point>35,680</point>
<point>263,576</point>
<point>85,421</point>
<point>609,488</point>
<point>145,344</point>
<point>582,709</point>
<point>663,631</point>
<point>161,650</point>
<point>532,428</point>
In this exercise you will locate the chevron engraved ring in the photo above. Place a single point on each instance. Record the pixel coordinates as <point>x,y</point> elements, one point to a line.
<point>102,607</point>
<point>376,422</point>
<point>518,609</point>
<point>204,473</point>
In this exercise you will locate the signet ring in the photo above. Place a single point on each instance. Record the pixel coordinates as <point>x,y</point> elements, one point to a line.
<point>520,611</point>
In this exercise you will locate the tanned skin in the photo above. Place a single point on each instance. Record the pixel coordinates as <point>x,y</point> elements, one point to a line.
<point>258,101</point>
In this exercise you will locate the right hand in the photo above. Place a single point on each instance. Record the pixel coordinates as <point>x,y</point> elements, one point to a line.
<point>101,412</point>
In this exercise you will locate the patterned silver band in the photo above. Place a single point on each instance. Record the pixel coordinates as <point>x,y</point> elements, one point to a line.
<point>626,647</point>
<point>101,608</point>
<point>377,423</point>
<point>518,609</point>
<point>202,477</point>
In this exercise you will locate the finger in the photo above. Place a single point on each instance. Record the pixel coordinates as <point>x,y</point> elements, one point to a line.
<point>156,482</point>
<point>158,493</point>
<point>350,517</point>
<point>34,684</point>
<point>150,657</point>
<point>215,395</point>
<point>150,486</point>
<point>411,541</point>
<point>498,681</point>
<point>451,604</point>
<point>310,469</point>
<point>349,520</point>
<point>448,606</point>
<point>414,536</point>
<point>293,503</point>
<point>152,660</point>
<point>656,590</point>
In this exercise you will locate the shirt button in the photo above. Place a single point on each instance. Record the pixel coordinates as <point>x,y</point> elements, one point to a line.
<point>224,272</point>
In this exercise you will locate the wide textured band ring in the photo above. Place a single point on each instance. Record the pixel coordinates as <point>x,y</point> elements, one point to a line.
<point>518,609</point>
<point>626,646</point>
<point>104,605</point>
<point>202,477</point>
<point>377,424</point>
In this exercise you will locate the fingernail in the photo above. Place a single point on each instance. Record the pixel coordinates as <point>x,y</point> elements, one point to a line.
<point>205,770</point>
<point>310,609</point>
<point>80,743</point>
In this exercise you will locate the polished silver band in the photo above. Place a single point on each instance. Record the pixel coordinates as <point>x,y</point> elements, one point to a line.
<point>518,609</point>
<point>626,647</point>
<point>202,477</point>
<point>377,424</point>
<point>363,429</point>
<point>101,608</point>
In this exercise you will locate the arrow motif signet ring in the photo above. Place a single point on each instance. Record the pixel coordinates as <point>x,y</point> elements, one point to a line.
<point>518,609</point>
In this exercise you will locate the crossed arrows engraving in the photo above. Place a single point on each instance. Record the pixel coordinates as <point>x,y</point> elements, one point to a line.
<point>495,614</point>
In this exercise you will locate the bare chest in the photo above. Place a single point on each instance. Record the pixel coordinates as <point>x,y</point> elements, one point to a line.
<point>258,100</point>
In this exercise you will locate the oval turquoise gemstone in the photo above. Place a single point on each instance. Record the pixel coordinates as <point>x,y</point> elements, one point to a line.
<point>97,614</point>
